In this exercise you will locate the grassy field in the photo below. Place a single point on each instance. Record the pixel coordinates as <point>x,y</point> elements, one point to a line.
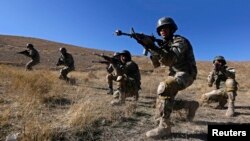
<point>37,106</point>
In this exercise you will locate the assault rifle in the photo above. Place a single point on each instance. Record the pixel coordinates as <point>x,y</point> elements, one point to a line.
<point>101,62</point>
<point>25,52</point>
<point>112,60</point>
<point>117,64</point>
<point>147,41</point>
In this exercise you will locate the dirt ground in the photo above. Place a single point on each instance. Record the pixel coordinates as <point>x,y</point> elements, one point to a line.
<point>91,83</point>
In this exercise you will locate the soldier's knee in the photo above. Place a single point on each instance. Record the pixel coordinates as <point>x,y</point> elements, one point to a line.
<point>231,85</point>
<point>168,87</point>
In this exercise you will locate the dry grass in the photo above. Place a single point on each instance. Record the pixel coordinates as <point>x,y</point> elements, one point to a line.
<point>38,106</point>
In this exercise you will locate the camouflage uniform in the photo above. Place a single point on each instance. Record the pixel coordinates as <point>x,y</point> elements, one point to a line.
<point>129,81</point>
<point>177,53</point>
<point>219,76</point>
<point>67,60</point>
<point>34,55</point>
<point>112,74</point>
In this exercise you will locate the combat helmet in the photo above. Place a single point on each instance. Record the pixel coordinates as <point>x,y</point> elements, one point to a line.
<point>166,21</point>
<point>29,45</point>
<point>116,54</point>
<point>220,59</point>
<point>62,49</point>
<point>126,53</point>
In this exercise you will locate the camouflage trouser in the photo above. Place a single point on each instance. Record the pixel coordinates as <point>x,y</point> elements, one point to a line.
<point>64,72</point>
<point>219,95</point>
<point>222,95</point>
<point>110,78</point>
<point>127,87</point>
<point>30,64</point>
<point>167,91</point>
<point>231,88</point>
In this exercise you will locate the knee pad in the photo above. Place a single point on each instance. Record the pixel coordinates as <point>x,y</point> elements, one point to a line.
<point>231,85</point>
<point>168,87</point>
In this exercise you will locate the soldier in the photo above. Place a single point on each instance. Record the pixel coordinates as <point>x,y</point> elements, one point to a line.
<point>176,52</point>
<point>220,75</point>
<point>33,54</point>
<point>112,75</point>
<point>128,78</point>
<point>67,60</point>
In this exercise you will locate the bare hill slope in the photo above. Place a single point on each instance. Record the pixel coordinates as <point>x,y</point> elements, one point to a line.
<point>49,52</point>
<point>37,106</point>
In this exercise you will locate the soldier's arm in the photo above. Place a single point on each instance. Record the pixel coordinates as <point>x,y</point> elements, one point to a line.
<point>155,60</point>
<point>211,78</point>
<point>110,68</point>
<point>60,61</point>
<point>69,60</point>
<point>173,53</point>
<point>25,52</point>
<point>230,72</point>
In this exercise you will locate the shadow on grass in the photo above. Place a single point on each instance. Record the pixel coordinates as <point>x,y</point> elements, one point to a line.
<point>98,88</point>
<point>148,97</point>
<point>184,136</point>
<point>54,101</point>
<point>242,107</point>
<point>142,114</point>
<point>240,113</point>
<point>214,123</point>
<point>201,136</point>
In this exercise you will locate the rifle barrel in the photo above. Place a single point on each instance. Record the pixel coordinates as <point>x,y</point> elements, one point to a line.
<point>126,34</point>
<point>119,33</point>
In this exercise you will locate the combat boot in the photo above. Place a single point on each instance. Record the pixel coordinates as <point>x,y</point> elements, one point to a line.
<point>192,108</point>
<point>230,109</point>
<point>110,91</point>
<point>161,131</point>
<point>119,98</point>
<point>115,102</point>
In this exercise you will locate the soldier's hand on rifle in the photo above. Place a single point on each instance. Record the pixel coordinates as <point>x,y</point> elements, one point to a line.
<point>217,66</point>
<point>144,39</point>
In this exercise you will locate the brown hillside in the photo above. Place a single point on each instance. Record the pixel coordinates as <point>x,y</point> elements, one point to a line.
<point>37,106</point>
<point>10,45</point>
